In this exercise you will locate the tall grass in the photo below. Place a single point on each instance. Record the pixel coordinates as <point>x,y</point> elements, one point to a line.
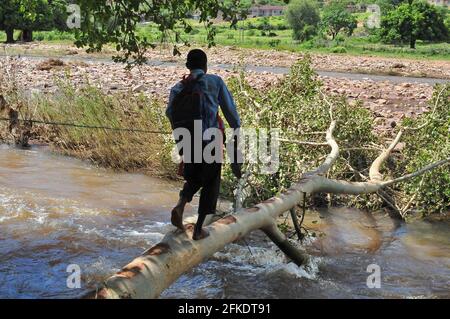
<point>116,149</point>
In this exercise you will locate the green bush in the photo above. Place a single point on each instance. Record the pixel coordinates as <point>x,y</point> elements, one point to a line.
<point>429,144</point>
<point>274,43</point>
<point>296,106</point>
<point>338,49</point>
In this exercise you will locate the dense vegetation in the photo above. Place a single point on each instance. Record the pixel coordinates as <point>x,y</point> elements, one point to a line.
<point>416,20</point>
<point>31,15</point>
<point>336,26</point>
<point>296,105</point>
<point>304,18</point>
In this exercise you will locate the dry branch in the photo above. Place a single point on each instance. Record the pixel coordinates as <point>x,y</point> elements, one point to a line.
<point>374,172</point>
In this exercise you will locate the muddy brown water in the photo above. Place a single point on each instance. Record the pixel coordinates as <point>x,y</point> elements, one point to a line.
<point>57,211</point>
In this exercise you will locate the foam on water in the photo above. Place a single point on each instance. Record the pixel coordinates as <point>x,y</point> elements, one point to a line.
<point>268,260</point>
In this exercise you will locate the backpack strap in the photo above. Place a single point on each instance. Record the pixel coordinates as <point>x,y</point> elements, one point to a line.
<point>190,79</point>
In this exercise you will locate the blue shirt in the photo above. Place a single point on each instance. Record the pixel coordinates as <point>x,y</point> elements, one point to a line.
<point>216,94</point>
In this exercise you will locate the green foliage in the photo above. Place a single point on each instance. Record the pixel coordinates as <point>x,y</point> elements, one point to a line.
<point>414,21</point>
<point>337,18</point>
<point>431,143</point>
<point>32,15</point>
<point>297,106</point>
<point>116,22</point>
<point>304,18</point>
<point>53,36</point>
<point>266,23</point>
<point>339,50</point>
<point>274,43</point>
<point>10,17</point>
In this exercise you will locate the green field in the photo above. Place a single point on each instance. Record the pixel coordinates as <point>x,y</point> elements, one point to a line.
<point>274,33</point>
<point>358,44</point>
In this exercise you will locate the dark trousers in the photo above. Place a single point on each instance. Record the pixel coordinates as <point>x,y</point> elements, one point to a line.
<point>206,177</point>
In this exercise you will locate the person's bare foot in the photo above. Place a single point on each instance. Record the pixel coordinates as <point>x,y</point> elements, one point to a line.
<point>177,214</point>
<point>202,235</point>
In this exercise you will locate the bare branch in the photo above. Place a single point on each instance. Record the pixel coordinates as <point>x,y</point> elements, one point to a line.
<point>424,170</point>
<point>334,154</point>
<point>374,173</point>
<point>303,142</point>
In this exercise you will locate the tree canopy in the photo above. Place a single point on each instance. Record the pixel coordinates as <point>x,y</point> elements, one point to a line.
<point>304,17</point>
<point>115,22</point>
<point>29,15</point>
<point>337,18</point>
<point>412,21</point>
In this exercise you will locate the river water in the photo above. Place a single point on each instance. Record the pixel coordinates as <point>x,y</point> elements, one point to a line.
<point>57,211</point>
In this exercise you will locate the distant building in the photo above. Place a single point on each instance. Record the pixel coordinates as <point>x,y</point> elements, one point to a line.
<point>444,3</point>
<point>266,11</point>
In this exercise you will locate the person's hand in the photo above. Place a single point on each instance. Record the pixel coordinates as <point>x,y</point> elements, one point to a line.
<point>237,170</point>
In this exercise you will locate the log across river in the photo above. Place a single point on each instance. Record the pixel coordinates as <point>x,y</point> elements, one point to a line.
<point>57,211</point>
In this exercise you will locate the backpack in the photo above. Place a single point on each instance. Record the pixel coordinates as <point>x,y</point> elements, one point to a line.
<point>187,105</point>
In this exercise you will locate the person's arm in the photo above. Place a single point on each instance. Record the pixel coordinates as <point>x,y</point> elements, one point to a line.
<point>169,105</point>
<point>230,112</point>
<point>228,106</point>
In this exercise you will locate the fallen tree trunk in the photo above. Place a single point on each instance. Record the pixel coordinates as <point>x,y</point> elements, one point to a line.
<point>157,268</point>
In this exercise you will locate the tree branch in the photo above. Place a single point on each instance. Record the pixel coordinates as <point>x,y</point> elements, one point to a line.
<point>374,173</point>
<point>325,185</point>
<point>298,257</point>
<point>332,156</point>
<point>420,172</point>
<point>303,142</point>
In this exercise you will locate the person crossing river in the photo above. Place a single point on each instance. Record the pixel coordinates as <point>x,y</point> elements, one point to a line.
<point>197,99</point>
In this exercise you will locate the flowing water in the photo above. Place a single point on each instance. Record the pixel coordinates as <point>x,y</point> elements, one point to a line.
<point>57,211</point>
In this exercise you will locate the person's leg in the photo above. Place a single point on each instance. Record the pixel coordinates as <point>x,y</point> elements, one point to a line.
<point>208,198</point>
<point>190,188</point>
<point>199,231</point>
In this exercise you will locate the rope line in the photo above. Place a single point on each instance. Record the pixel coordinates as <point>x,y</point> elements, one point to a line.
<point>93,127</point>
<point>88,126</point>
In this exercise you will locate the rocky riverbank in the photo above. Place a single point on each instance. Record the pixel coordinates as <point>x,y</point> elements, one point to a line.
<point>240,56</point>
<point>388,100</point>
